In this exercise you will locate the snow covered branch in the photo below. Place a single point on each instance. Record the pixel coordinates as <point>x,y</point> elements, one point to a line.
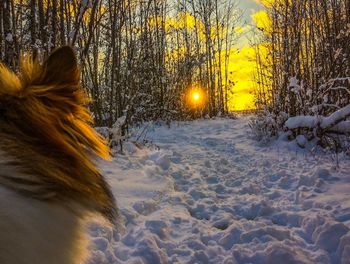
<point>335,118</point>
<point>335,122</point>
<point>342,128</point>
<point>302,122</point>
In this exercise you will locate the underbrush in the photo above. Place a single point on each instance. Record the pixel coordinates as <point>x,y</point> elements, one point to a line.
<point>136,137</point>
<point>266,125</point>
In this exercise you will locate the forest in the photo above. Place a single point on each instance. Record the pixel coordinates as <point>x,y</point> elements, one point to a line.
<point>303,67</point>
<point>308,61</point>
<point>139,58</point>
<point>147,60</point>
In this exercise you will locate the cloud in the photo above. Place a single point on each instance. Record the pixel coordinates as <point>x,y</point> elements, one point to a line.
<point>241,67</point>
<point>242,101</point>
<point>262,20</point>
<point>242,63</point>
<point>265,3</point>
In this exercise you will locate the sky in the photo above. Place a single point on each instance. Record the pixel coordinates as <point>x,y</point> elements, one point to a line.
<point>250,6</point>
<point>242,60</point>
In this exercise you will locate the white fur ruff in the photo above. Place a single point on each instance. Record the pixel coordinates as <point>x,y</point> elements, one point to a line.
<point>37,232</point>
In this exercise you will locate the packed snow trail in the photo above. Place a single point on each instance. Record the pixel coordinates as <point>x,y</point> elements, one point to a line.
<point>211,194</point>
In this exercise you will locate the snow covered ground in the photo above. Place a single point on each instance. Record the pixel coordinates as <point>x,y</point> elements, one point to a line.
<point>211,194</point>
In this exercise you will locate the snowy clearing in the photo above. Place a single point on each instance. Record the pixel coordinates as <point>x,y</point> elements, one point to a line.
<point>211,194</point>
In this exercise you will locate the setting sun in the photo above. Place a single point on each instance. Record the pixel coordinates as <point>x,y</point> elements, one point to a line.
<point>196,96</point>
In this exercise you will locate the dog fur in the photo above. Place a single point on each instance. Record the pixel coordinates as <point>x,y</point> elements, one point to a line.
<point>48,180</point>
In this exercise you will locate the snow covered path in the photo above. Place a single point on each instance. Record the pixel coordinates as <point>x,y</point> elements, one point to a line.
<point>211,194</point>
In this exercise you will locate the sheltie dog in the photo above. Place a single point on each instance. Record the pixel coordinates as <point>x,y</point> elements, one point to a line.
<point>49,183</point>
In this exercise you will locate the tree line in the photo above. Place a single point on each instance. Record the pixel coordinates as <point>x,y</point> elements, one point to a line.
<point>303,72</point>
<point>138,57</point>
<point>303,57</point>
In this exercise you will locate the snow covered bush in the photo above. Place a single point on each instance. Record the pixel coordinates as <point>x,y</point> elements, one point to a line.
<point>321,115</point>
<point>126,141</point>
<point>330,131</point>
<point>266,125</point>
<point>115,135</point>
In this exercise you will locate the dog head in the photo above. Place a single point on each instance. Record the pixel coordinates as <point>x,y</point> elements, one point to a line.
<point>47,129</point>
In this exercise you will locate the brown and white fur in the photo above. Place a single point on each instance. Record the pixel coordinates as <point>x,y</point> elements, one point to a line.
<point>48,180</point>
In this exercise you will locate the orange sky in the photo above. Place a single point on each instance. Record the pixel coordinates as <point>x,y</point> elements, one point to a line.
<point>242,62</point>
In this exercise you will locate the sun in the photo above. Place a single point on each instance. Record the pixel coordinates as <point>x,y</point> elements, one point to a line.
<point>196,96</point>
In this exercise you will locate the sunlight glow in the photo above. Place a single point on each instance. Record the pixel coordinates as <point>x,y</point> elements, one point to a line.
<point>195,97</point>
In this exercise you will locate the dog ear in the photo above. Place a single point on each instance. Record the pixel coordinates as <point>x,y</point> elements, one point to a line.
<point>61,67</point>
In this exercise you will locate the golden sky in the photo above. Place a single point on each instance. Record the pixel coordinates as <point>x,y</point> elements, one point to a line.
<point>242,62</point>
<point>242,66</point>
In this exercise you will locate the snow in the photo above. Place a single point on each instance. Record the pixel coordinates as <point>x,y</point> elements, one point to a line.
<point>302,121</point>
<point>9,37</point>
<point>208,193</point>
<point>293,82</point>
<point>336,117</point>
<point>294,85</point>
<point>117,129</point>
<point>334,122</point>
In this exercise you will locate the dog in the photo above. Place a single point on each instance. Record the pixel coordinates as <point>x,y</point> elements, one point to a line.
<point>49,183</point>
